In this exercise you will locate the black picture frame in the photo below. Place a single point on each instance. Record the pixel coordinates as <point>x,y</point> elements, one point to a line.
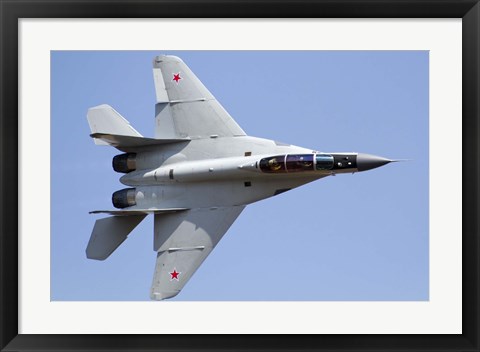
<point>12,10</point>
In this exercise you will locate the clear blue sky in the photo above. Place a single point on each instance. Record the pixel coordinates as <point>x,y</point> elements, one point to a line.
<point>350,237</point>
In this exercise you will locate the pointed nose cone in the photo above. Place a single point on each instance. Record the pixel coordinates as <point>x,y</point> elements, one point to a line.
<point>367,162</point>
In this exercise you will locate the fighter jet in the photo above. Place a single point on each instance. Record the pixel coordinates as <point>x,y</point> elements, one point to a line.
<point>196,175</point>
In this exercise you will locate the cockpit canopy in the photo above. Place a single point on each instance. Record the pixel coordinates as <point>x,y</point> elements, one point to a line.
<point>296,163</point>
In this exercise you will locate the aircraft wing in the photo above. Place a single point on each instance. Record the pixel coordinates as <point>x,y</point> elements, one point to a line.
<point>183,240</point>
<point>185,108</point>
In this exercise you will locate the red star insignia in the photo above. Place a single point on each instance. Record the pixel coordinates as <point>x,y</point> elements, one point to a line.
<point>174,275</point>
<point>176,77</point>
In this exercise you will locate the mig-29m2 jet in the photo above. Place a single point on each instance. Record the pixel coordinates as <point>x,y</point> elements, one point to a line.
<point>196,176</point>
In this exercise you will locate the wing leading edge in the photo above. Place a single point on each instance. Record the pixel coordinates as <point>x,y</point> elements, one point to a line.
<point>183,241</point>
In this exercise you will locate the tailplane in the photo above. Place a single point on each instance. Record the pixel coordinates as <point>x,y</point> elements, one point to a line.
<point>108,127</point>
<point>109,233</point>
<point>106,120</point>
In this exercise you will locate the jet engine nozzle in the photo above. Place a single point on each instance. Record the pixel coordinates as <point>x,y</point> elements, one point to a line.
<point>125,163</point>
<point>124,198</point>
<point>367,162</point>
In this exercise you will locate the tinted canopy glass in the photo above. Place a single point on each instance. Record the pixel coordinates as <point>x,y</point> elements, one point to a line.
<point>299,162</point>
<point>273,164</point>
<point>324,162</point>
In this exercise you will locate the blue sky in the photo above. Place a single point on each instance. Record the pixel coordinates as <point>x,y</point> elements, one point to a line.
<point>361,237</point>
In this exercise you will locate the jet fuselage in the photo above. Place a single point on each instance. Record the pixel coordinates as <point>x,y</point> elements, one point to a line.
<point>247,175</point>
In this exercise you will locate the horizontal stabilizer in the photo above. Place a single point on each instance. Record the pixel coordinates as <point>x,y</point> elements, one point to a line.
<point>136,212</point>
<point>109,233</point>
<point>105,119</point>
<point>130,142</point>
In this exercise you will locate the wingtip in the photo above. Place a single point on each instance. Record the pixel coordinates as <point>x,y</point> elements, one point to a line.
<point>160,296</point>
<point>162,58</point>
<point>101,106</point>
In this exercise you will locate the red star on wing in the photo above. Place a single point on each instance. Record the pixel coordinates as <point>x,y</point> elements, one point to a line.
<point>176,77</point>
<point>174,275</point>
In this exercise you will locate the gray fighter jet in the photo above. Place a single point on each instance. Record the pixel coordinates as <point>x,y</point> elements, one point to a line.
<point>197,174</point>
